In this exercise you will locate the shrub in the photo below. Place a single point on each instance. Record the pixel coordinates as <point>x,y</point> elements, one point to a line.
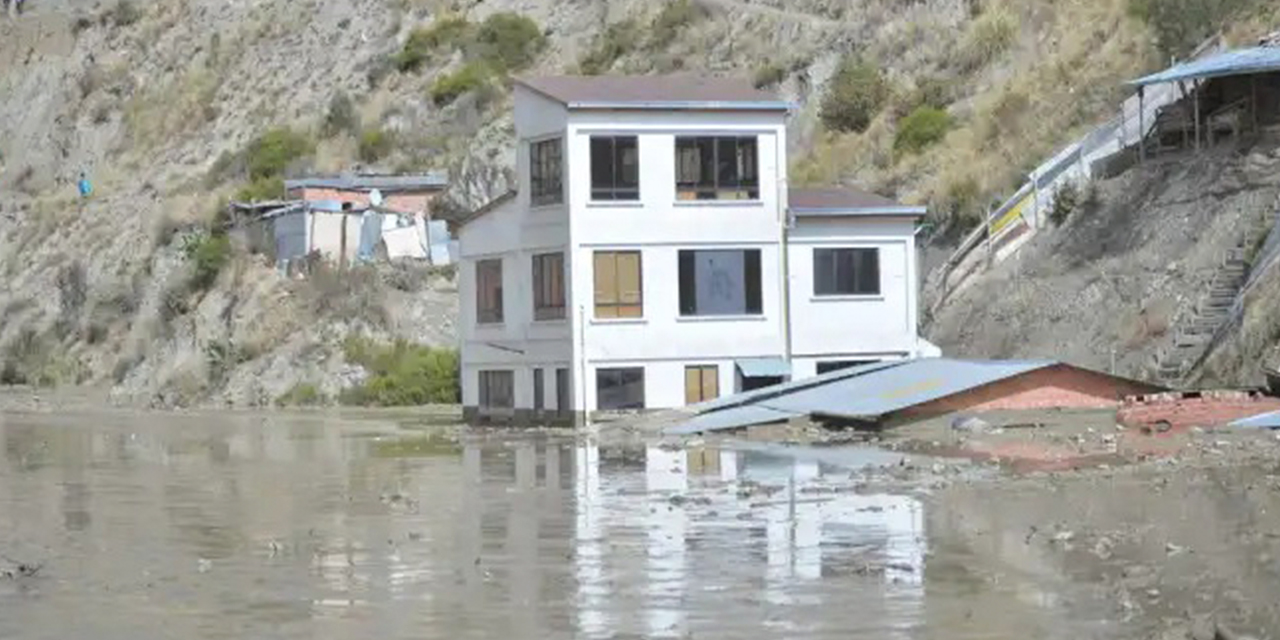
<point>1180,25</point>
<point>769,75</point>
<point>674,17</point>
<point>857,93</point>
<point>303,394</point>
<point>990,35</point>
<point>921,129</point>
<point>1065,201</point>
<point>208,253</point>
<point>509,41</point>
<point>272,152</point>
<point>448,31</point>
<point>125,13</point>
<point>448,87</point>
<point>341,116</point>
<point>618,39</point>
<point>375,144</point>
<point>262,189</point>
<point>402,374</point>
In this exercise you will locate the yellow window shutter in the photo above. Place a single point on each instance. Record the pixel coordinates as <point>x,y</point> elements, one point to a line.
<point>692,384</point>
<point>606,278</point>
<point>629,288</point>
<point>710,383</point>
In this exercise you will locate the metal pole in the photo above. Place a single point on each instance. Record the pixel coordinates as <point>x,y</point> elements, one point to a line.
<point>582,365</point>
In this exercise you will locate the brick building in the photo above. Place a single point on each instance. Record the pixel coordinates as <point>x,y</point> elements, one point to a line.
<point>401,193</point>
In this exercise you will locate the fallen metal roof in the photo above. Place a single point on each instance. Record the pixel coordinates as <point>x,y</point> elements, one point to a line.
<point>1228,63</point>
<point>434,180</point>
<point>1262,421</point>
<point>763,367</point>
<point>859,393</point>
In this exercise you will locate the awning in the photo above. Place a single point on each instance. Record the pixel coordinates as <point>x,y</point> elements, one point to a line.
<point>764,368</point>
<point>1262,421</point>
<point>1227,63</point>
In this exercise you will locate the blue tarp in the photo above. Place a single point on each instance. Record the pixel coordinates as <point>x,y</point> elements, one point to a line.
<point>1227,63</point>
<point>1261,421</point>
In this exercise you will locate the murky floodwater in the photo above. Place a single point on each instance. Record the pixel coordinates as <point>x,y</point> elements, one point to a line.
<point>244,526</point>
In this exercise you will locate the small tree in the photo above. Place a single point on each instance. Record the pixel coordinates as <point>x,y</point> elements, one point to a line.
<point>857,93</point>
<point>1065,201</point>
<point>922,128</point>
<point>510,41</point>
<point>341,116</point>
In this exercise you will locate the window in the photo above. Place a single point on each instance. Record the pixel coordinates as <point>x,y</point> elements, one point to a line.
<point>618,284</point>
<point>720,283</point>
<point>545,172</point>
<point>539,388</point>
<point>836,365</point>
<point>701,383</point>
<point>721,168</point>
<point>497,390</point>
<point>615,168</point>
<point>846,272</point>
<point>620,388</point>
<point>562,391</point>
<point>548,286</point>
<point>489,291</point>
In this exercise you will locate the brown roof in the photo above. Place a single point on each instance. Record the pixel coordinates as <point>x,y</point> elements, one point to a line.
<point>845,201</point>
<point>654,92</point>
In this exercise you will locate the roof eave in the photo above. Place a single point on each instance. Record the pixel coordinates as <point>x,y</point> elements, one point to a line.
<point>677,106</point>
<point>901,211</point>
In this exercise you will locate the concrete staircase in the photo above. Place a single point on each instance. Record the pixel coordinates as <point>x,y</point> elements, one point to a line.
<point>1196,330</point>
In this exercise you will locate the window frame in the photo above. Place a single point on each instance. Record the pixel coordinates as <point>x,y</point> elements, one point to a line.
<point>489,315</point>
<point>831,288</point>
<point>546,172</point>
<point>548,282</point>
<point>486,379</point>
<point>686,274</point>
<point>617,308</point>
<point>620,372</point>
<point>699,168</point>
<point>617,190</point>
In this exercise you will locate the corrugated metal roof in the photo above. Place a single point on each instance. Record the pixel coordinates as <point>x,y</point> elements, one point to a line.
<point>863,393</point>
<point>1227,63</point>
<point>829,201</point>
<point>763,367</point>
<point>1262,421</point>
<point>434,180</point>
<point>688,92</point>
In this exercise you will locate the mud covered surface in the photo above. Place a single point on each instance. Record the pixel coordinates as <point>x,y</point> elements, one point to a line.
<point>134,525</point>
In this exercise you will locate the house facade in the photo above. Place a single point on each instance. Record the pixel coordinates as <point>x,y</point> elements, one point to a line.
<point>655,256</point>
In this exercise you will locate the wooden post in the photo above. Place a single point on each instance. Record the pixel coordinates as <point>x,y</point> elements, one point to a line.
<point>1196,96</point>
<point>1142,124</point>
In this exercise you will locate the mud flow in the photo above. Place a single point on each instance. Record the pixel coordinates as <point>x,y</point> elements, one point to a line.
<point>244,526</point>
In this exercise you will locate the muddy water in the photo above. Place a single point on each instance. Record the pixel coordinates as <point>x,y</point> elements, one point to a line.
<point>253,526</point>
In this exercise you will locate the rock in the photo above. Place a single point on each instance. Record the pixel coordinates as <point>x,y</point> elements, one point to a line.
<point>1202,628</point>
<point>1173,549</point>
<point>970,424</point>
<point>1064,536</point>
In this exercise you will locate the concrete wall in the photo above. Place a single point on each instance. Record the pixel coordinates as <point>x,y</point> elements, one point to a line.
<point>869,327</point>
<point>1210,409</point>
<point>1056,387</point>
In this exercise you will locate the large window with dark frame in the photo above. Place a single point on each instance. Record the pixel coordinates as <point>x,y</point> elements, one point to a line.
<point>615,168</point>
<point>489,291</point>
<point>546,171</point>
<point>720,282</point>
<point>548,286</point>
<point>621,388</point>
<point>717,168</point>
<point>497,389</point>
<point>846,272</point>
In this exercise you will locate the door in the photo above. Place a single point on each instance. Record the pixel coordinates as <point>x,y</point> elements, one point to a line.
<point>562,391</point>
<point>539,389</point>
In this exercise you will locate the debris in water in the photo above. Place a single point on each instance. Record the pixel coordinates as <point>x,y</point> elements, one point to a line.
<point>203,565</point>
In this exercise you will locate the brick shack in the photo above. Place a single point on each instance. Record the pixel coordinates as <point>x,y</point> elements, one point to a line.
<point>409,194</point>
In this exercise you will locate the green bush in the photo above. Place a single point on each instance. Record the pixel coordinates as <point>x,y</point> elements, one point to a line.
<point>618,39</point>
<point>509,41</point>
<point>921,129</point>
<point>1180,25</point>
<point>674,17</point>
<point>341,116</point>
<point>769,75</point>
<point>303,394</point>
<point>449,31</point>
<point>262,190</point>
<point>857,93</point>
<point>448,87</point>
<point>125,13</point>
<point>208,253</point>
<point>1065,201</point>
<point>272,152</point>
<point>375,144</point>
<point>990,35</point>
<point>402,374</point>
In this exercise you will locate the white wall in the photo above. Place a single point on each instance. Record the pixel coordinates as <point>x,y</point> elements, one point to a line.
<point>326,234</point>
<point>853,327</point>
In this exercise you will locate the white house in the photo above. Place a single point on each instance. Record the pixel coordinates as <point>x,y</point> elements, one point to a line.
<point>654,256</point>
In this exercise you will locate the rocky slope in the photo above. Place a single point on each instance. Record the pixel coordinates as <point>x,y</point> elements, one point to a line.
<point>157,100</point>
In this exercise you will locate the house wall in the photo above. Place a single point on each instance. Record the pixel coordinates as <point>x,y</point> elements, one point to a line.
<point>403,201</point>
<point>659,226</point>
<point>326,233</point>
<point>874,327</point>
<point>290,236</point>
<point>1056,387</point>
<point>1209,409</point>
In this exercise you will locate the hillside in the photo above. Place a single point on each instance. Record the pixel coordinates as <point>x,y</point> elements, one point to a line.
<point>172,106</point>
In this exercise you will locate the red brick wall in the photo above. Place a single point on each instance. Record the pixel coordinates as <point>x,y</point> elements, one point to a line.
<point>1056,387</point>
<point>1210,409</point>
<point>406,202</point>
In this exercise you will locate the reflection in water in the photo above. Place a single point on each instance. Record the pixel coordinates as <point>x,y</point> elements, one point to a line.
<point>223,527</point>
